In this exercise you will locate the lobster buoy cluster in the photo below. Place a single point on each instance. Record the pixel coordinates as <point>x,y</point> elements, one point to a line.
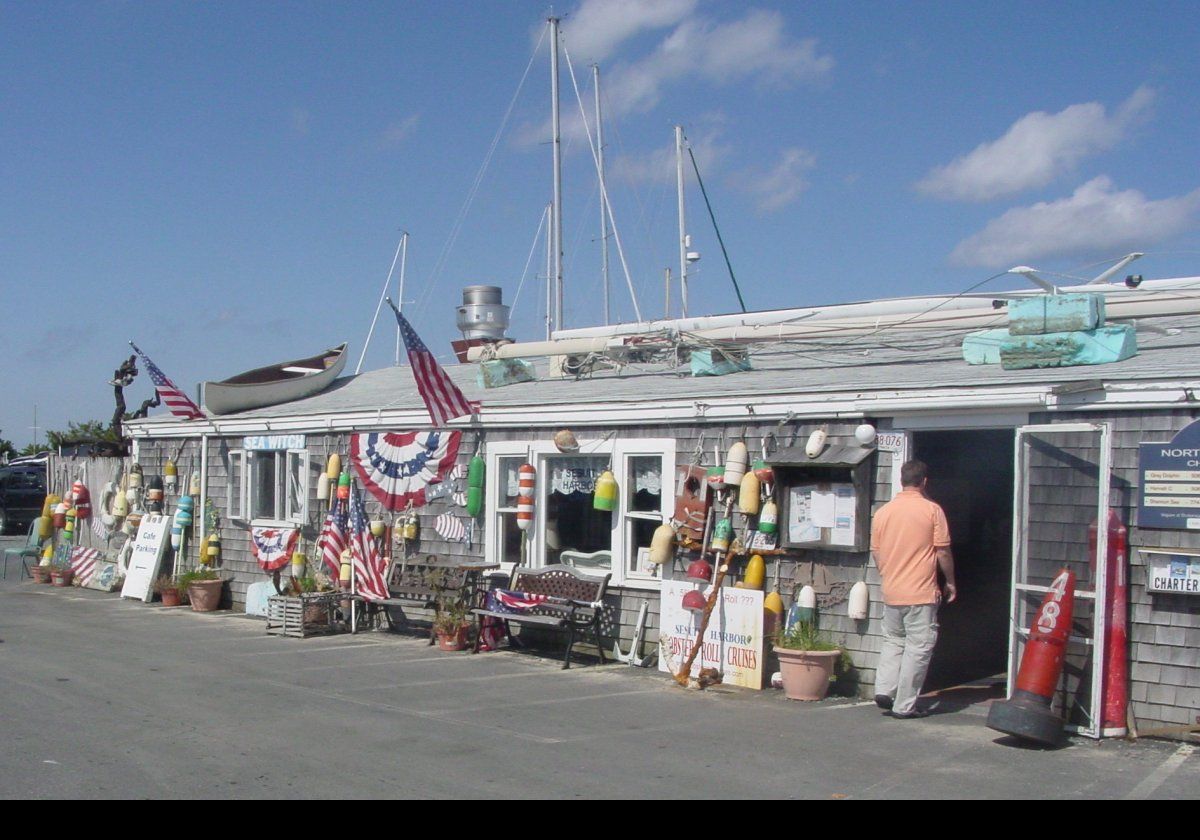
<point>476,472</point>
<point>605,495</point>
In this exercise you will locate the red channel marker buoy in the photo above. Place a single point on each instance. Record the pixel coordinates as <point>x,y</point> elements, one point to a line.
<point>1027,713</point>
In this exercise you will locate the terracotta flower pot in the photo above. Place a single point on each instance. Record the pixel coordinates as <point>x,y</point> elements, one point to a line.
<point>41,574</point>
<point>806,673</point>
<point>453,641</point>
<point>205,595</point>
<point>62,578</point>
<point>171,598</point>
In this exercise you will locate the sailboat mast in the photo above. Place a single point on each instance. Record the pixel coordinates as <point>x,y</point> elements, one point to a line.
<point>556,225</point>
<point>400,289</point>
<point>683,263</point>
<point>603,194</point>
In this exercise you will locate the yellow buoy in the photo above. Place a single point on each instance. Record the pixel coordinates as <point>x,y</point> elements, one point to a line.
<point>605,497</point>
<point>749,494</point>
<point>756,573</point>
<point>45,527</point>
<point>662,544</point>
<point>333,467</point>
<point>212,549</point>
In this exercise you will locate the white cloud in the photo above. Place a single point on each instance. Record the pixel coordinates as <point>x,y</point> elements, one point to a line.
<point>658,166</point>
<point>598,27</point>
<point>1035,150</point>
<point>782,184</point>
<point>1095,218</point>
<point>398,131</point>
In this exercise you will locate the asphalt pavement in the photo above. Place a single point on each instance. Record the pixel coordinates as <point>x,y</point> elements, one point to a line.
<point>106,698</point>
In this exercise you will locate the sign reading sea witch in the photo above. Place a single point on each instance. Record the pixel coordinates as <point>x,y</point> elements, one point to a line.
<point>1169,495</point>
<point>267,443</point>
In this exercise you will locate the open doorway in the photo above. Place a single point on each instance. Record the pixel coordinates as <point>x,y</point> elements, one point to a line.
<point>971,477</point>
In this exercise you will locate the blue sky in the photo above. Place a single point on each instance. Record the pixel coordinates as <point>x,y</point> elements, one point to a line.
<point>226,183</point>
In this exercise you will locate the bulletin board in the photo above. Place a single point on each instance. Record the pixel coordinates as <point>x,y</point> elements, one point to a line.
<point>825,504</point>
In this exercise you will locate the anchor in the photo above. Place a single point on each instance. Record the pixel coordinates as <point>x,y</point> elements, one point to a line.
<point>639,634</point>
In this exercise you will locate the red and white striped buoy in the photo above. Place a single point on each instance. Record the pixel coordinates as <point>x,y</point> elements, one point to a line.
<point>526,481</point>
<point>524,512</point>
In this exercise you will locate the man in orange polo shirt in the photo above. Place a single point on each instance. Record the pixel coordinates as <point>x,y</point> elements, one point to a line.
<point>910,542</point>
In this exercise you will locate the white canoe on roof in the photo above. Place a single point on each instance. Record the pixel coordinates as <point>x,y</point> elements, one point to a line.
<point>275,384</point>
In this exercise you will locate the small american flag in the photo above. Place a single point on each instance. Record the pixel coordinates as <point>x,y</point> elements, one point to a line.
<point>177,401</point>
<point>370,567</point>
<point>512,601</point>
<point>333,539</point>
<point>443,399</point>
<point>83,564</point>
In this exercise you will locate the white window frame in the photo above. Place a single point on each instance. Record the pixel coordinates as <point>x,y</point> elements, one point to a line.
<point>236,490</point>
<point>538,453</point>
<point>290,509</point>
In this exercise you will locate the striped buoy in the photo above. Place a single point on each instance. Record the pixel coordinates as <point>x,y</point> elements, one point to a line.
<point>605,497</point>
<point>82,499</point>
<point>526,481</point>
<point>171,476</point>
<point>524,512</point>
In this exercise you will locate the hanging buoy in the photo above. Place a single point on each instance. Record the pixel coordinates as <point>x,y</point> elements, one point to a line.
<point>45,527</point>
<point>49,503</point>
<point>171,475</point>
<point>82,499</point>
<point>194,484</point>
<point>333,467</point>
<point>605,495</point>
<point>69,525</point>
<point>411,529</point>
<point>526,481</point>
<point>699,571</point>
<point>722,534</point>
<point>764,472</point>
<point>476,473</point>
<point>860,601</point>
<point>756,573</point>
<point>47,554</point>
<point>804,611</point>
<point>343,488</point>
<point>120,505</point>
<point>377,528</point>
<point>694,601</point>
<point>750,495</point>
<point>187,503</point>
<point>176,534</point>
<point>323,487</point>
<point>106,504</point>
<point>865,434</point>
<point>133,522</point>
<point>135,475</point>
<point>735,464</point>
<point>212,550</point>
<point>524,512</point>
<point>154,494</point>
<point>344,571</point>
<point>816,443</point>
<point>60,515</point>
<point>662,544</point>
<point>768,518</point>
<point>565,441</point>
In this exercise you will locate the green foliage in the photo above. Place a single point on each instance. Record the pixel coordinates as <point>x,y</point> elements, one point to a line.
<point>804,635</point>
<point>7,448</point>
<point>164,583</point>
<point>188,578</point>
<point>88,431</point>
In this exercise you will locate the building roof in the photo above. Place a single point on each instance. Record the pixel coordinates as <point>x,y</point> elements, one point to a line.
<point>920,362</point>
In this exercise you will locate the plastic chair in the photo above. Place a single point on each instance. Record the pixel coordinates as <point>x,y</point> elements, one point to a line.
<point>32,548</point>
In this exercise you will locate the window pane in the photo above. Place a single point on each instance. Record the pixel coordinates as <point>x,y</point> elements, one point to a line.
<point>641,532</point>
<point>237,461</point>
<point>573,526</point>
<point>508,468</point>
<point>510,539</point>
<point>644,483</point>
<point>262,492</point>
<point>296,490</point>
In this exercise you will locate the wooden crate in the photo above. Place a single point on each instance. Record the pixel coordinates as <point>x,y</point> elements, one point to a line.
<point>286,614</point>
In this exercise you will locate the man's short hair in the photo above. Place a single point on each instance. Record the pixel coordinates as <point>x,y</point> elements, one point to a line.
<point>913,473</point>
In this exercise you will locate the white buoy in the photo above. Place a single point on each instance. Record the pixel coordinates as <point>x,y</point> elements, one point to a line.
<point>860,601</point>
<point>865,434</point>
<point>816,443</point>
<point>735,464</point>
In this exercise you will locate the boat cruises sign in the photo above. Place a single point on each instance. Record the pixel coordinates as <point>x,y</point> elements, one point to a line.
<point>1169,495</point>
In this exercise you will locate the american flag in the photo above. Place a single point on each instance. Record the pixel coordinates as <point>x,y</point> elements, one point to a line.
<point>83,564</point>
<point>177,401</point>
<point>370,567</point>
<point>333,538</point>
<point>512,601</point>
<point>443,399</point>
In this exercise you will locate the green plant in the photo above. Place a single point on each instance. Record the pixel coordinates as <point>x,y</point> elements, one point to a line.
<point>804,635</point>
<point>311,583</point>
<point>188,578</point>
<point>164,583</point>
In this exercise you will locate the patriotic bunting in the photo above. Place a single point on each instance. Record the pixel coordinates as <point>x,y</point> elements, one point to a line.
<point>398,467</point>
<point>273,547</point>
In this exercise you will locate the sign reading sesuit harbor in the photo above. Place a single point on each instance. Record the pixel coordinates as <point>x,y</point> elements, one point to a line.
<point>1170,482</point>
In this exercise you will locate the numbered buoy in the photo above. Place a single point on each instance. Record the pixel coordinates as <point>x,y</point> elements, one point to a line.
<point>756,572</point>
<point>859,606</point>
<point>662,544</point>
<point>526,480</point>
<point>605,495</point>
<point>750,494</point>
<point>735,464</point>
<point>816,443</point>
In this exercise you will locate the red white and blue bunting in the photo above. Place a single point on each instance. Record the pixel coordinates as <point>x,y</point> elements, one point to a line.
<point>273,547</point>
<point>397,467</point>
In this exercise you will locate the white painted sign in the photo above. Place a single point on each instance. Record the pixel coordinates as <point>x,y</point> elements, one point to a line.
<point>262,443</point>
<point>146,557</point>
<point>733,643</point>
<point>1176,573</point>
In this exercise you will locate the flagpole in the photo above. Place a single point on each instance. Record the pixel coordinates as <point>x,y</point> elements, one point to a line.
<point>378,306</point>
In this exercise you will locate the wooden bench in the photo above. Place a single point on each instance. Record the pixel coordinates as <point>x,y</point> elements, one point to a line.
<point>420,582</point>
<point>573,603</point>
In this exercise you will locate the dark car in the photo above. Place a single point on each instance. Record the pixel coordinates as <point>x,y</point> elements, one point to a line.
<point>22,491</point>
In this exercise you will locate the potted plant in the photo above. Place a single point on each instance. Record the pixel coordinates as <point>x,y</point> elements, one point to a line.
<point>168,589</point>
<point>61,573</point>
<point>203,587</point>
<point>318,612</point>
<point>807,658</point>
<point>450,619</point>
